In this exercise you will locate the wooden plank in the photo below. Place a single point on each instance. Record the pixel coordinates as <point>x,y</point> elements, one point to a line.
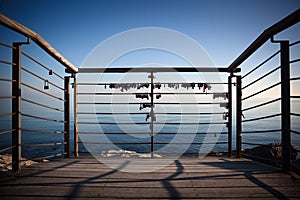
<point>240,181</point>
<point>164,192</point>
<point>208,178</point>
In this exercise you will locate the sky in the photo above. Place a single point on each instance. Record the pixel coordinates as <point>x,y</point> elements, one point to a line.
<point>222,28</point>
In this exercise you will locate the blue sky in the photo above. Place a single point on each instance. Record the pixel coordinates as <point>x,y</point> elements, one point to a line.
<point>223,28</point>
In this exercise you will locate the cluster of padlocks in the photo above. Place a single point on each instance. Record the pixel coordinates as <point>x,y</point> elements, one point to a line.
<point>127,86</point>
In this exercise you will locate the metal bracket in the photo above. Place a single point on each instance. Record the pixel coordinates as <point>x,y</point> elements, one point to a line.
<point>27,42</point>
<point>277,41</point>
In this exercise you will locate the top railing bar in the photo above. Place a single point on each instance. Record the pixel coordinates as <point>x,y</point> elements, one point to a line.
<point>6,45</point>
<point>264,37</point>
<point>42,65</point>
<point>153,69</point>
<point>15,26</point>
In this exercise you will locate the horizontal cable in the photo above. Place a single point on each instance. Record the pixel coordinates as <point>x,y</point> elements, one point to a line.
<point>157,103</point>
<point>166,123</point>
<point>143,113</point>
<point>98,113</point>
<point>7,148</point>
<point>38,90</point>
<point>155,143</point>
<point>295,79</point>
<point>46,157</point>
<point>44,144</point>
<point>42,118</point>
<point>39,63</point>
<point>7,131</point>
<point>296,132</point>
<point>297,150</point>
<point>42,131</point>
<point>162,83</point>
<point>263,131</point>
<point>262,104</point>
<point>295,60</point>
<point>7,97</point>
<point>6,114</point>
<point>6,79</point>
<point>262,77</point>
<point>296,97</point>
<point>139,69</point>
<point>259,118</point>
<point>254,144</point>
<point>41,78</point>
<point>6,45</point>
<point>42,105</point>
<point>295,43</point>
<point>6,62</point>
<point>199,133</point>
<point>261,64</point>
<point>145,152</point>
<point>128,93</point>
<point>268,88</point>
<point>295,114</point>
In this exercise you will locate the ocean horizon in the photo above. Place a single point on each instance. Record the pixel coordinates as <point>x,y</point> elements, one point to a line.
<point>179,138</point>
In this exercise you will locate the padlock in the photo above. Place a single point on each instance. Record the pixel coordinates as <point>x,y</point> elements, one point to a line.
<point>46,85</point>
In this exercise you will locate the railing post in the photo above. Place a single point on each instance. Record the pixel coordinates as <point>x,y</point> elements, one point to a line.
<point>75,119</point>
<point>67,117</point>
<point>229,125</point>
<point>285,105</point>
<point>16,106</point>
<point>238,117</point>
<point>152,115</point>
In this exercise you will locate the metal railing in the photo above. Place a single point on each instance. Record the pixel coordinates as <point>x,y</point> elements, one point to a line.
<point>37,97</point>
<point>97,100</point>
<point>272,80</point>
<point>48,90</point>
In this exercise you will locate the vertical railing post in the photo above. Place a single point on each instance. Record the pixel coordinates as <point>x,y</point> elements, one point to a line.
<point>16,106</point>
<point>285,105</point>
<point>67,117</point>
<point>238,117</point>
<point>75,119</point>
<point>152,115</point>
<point>229,124</point>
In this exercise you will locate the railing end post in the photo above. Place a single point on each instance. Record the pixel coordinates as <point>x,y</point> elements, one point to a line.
<point>67,117</point>
<point>238,117</point>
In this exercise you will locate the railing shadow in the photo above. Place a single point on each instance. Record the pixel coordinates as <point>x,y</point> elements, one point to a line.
<point>77,186</point>
<point>249,175</point>
<point>168,185</point>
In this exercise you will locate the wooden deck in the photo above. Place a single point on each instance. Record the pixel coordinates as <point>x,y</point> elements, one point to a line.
<point>185,178</point>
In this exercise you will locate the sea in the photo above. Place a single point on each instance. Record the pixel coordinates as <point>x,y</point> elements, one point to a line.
<point>173,134</point>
